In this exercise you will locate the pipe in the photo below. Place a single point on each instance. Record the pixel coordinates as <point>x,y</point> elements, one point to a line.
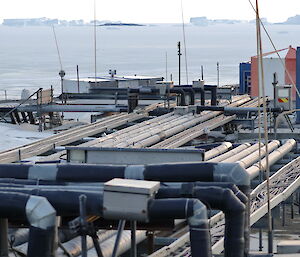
<point>72,108</point>
<point>222,199</point>
<point>3,237</point>
<point>125,243</point>
<point>213,91</point>
<point>236,110</point>
<point>230,153</point>
<point>40,215</point>
<point>217,151</point>
<point>190,91</point>
<point>67,202</point>
<point>201,91</point>
<point>181,92</point>
<point>195,212</point>
<point>275,156</point>
<point>252,158</point>
<point>242,154</point>
<point>174,172</point>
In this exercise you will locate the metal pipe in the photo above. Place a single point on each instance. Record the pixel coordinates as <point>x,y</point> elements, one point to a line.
<point>230,153</point>
<point>276,155</point>
<point>118,238</point>
<point>254,157</point>
<point>242,154</point>
<point>195,212</point>
<point>72,108</point>
<point>3,237</point>
<point>222,199</point>
<point>224,147</point>
<point>181,93</point>
<point>236,110</point>
<point>175,172</point>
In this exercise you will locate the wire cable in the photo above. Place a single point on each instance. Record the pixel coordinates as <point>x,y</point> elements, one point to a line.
<point>184,42</point>
<point>57,48</point>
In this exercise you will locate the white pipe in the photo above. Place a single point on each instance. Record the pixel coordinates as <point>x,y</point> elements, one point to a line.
<point>276,155</point>
<point>217,151</point>
<point>254,157</point>
<point>231,153</point>
<point>243,154</point>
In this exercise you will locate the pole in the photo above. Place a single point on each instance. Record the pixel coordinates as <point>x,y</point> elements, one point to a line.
<point>166,65</point>
<point>118,237</point>
<point>133,251</point>
<point>179,63</point>
<point>95,42</point>
<point>77,69</point>
<point>3,238</point>
<point>218,73</point>
<point>82,206</point>
<point>202,75</point>
<point>259,43</point>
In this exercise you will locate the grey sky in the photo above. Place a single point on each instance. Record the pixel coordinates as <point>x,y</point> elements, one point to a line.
<point>152,11</point>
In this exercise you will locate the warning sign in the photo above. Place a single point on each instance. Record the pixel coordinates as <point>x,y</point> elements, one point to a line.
<point>283,100</point>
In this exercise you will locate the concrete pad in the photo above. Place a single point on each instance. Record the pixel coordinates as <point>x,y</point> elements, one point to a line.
<point>288,246</point>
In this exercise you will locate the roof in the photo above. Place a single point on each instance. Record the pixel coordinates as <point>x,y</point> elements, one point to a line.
<point>288,52</point>
<point>116,78</point>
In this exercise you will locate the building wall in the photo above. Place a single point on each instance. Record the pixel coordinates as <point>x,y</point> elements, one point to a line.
<point>271,65</point>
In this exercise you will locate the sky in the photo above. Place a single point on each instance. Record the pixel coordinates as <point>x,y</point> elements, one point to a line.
<point>147,11</point>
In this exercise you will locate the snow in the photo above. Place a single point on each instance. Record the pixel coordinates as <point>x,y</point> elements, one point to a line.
<point>17,135</point>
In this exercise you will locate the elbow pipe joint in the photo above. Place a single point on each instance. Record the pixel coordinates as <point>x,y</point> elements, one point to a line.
<point>231,172</point>
<point>40,213</point>
<point>199,216</point>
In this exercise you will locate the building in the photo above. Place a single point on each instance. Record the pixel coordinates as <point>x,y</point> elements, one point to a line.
<point>285,70</point>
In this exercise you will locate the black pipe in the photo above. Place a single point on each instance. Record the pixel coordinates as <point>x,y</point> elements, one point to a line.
<point>195,212</point>
<point>41,242</point>
<point>180,92</point>
<point>213,92</point>
<point>201,91</point>
<point>236,110</point>
<point>40,215</point>
<point>190,91</point>
<point>174,172</point>
<point>65,201</point>
<point>222,199</point>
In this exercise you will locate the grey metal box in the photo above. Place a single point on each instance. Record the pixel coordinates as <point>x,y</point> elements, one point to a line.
<point>126,199</point>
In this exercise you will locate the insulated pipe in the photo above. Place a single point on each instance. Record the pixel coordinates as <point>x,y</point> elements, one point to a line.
<point>181,93</point>
<point>213,91</point>
<point>275,156</point>
<point>67,203</point>
<point>133,129</point>
<point>231,153</point>
<point>242,154</point>
<point>140,132</point>
<point>74,246</point>
<point>71,108</point>
<point>201,91</point>
<point>158,132</point>
<point>254,157</point>
<point>173,130</point>
<point>236,110</point>
<point>190,91</point>
<point>125,244</point>
<point>174,172</point>
<point>222,199</point>
<point>40,215</point>
<point>190,209</point>
<point>217,151</point>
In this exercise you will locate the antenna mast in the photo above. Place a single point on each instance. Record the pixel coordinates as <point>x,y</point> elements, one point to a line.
<point>95,42</point>
<point>184,42</point>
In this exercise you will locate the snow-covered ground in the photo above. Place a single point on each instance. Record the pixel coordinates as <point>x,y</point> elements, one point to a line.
<point>17,135</point>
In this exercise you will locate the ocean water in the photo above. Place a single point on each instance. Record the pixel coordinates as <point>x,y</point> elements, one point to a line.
<point>28,56</point>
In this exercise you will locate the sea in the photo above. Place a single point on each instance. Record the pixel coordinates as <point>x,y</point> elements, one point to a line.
<point>29,57</point>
